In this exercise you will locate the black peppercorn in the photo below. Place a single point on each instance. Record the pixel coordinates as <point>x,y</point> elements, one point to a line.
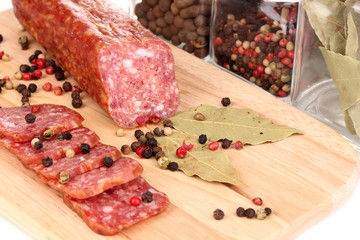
<point>108,162</point>
<point>135,145</point>
<point>168,123</point>
<point>1,38</point>
<point>160,154</point>
<point>268,211</point>
<point>75,95</point>
<point>218,214</point>
<point>59,75</point>
<point>67,136</point>
<point>0,89</point>
<point>31,58</point>
<point>138,133</point>
<point>225,101</point>
<point>158,132</point>
<point>30,118</point>
<point>60,136</point>
<point>225,143</point>
<point>24,68</point>
<point>2,82</point>
<point>156,149</point>
<point>147,197</point>
<point>149,135</point>
<point>20,88</point>
<point>26,93</point>
<point>24,100</point>
<point>147,153</point>
<point>67,87</point>
<point>173,166</point>
<point>85,148</point>
<point>151,142</point>
<point>37,53</point>
<point>38,145</point>
<point>240,211</point>
<point>249,213</point>
<point>76,103</point>
<point>32,87</point>
<point>50,63</point>
<point>202,139</point>
<point>125,149</point>
<point>47,162</point>
<point>33,68</point>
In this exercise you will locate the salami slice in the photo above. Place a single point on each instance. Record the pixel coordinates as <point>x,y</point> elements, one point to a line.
<point>59,118</point>
<point>52,148</point>
<point>98,180</point>
<point>80,163</point>
<point>119,63</point>
<point>110,212</point>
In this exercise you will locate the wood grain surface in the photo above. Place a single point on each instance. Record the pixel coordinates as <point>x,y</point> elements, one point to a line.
<point>302,178</point>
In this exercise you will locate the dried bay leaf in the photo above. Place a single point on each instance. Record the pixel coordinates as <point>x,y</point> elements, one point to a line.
<point>352,41</point>
<point>200,161</point>
<point>235,124</point>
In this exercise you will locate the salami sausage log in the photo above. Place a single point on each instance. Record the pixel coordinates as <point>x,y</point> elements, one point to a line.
<point>119,63</point>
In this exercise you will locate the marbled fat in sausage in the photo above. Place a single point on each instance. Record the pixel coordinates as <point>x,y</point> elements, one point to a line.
<point>119,63</point>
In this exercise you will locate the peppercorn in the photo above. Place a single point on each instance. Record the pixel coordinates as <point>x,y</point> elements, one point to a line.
<point>26,93</point>
<point>64,177</point>
<point>70,153</point>
<point>60,136</point>
<point>85,148</point>
<point>30,118</point>
<point>260,214</point>
<point>181,152</point>
<point>76,103</point>
<point>32,87</point>
<point>38,145</point>
<point>24,42</point>
<point>47,162</point>
<point>135,201</point>
<point>167,131</point>
<point>1,38</point>
<point>67,136</point>
<point>199,117</point>
<point>151,142</point>
<point>138,133</point>
<point>108,162</point>
<point>125,149</point>
<point>49,70</point>
<point>33,68</point>
<point>225,143</point>
<point>75,95</point>
<point>173,166</point>
<point>142,139</point>
<point>9,84</point>
<point>213,146</point>
<point>240,211</point>
<point>268,211</point>
<point>20,88</point>
<point>238,145</point>
<point>249,213</point>
<point>225,101</point>
<point>160,154</point>
<point>218,214</point>
<point>120,132</point>
<point>149,135</point>
<point>48,134</point>
<point>168,123</point>
<point>37,53</point>
<point>147,153</point>
<point>158,132</point>
<point>2,82</point>
<point>147,197</point>
<point>59,75</point>
<point>50,63</point>
<point>31,58</point>
<point>257,201</point>
<point>202,139</point>
<point>156,149</point>
<point>34,140</point>
<point>135,145</point>
<point>24,100</point>
<point>24,68</point>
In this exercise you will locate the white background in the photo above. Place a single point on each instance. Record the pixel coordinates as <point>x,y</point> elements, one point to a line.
<point>343,223</point>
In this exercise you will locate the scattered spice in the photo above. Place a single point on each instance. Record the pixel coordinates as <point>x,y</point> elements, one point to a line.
<point>67,86</point>
<point>58,91</point>
<point>47,162</point>
<point>154,119</point>
<point>76,103</point>
<point>120,132</point>
<point>181,152</point>
<point>240,212</point>
<point>249,213</point>
<point>67,136</point>
<point>108,162</point>
<point>18,75</point>
<point>142,139</point>
<point>32,87</point>
<point>141,120</point>
<point>24,42</point>
<point>213,146</point>
<point>70,153</point>
<point>140,150</point>
<point>33,141</point>
<point>135,145</point>
<point>168,123</point>
<point>49,70</point>
<point>163,162</point>
<point>64,177</point>
<point>48,134</point>
<point>147,197</point>
<point>36,74</point>
<point>1,38</point>
<point>138,133</point>
<point>135,201</point>
<point>261,214</point>
<point>167,131</point>
<point>218,214</point>
<point>238,145</point>
<point>149,135</point>
<point>15,85</point>
<point>24,100</point>
<point>125,149</point>
<point>59,75</point>
<point>20,88</point>
<point>225,143</point>
<point>47,86</point>
<point>151,142</point>
<point>8,84</point>
<point>85,148</point>
<point>158,132</point>
<point>187,147</point>
<point>199,117</point>
<point>26,93</point>
<point>268,211</point>
<point>147,153</point>
<point>225,101</point>
<point>257,201</point>
<point>202,139</point>
<point>30,118</point>
<point>75,95</point>
<point>160,154</point>
<point>173,166</point>
<point>38,145</point>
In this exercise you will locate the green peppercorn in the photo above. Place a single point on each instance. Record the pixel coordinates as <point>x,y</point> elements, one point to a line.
<point>67,136</point>
<point>218,214</point>
<point>202,139</point>
<point>151,142</point>
<point>163,162</point>
<point>135,145</point>
<point>60,136</point>
<point>76,103</point>
<point>225,101</point>
<point>173,166</point>
<point>168,123</point>
<point>24,68</point>
<point>142,139</point>
<point>59,75</point>
<point>138,133</point>
<point>160,154</point>
<point>108,162</point>
<point>38,145</point>
<point>147,153</point>
<point>240,212</point>
<point>75,95</point>
<point>149,135</point>
<point>48,134</point>
<point>249,213</point>
<point>158,132</point>
<point>64,177</point>
<point>85,148</point>
<point>47,162</point>
<point>125,149</point>
<point>225,143</point>
<point>268,211</point>
<point>261,214</point>
<point>30,118</point>
<point>24,42</point>
<point>20,88</point>
<point>32,87</point>
<point>147,197</point>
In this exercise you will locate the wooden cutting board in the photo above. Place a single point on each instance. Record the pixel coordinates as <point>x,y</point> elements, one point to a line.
<point>302,178</point>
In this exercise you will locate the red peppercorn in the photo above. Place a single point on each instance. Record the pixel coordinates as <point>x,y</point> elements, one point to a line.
<point>260,68</point>
<point>242,70</point>
<point>286,60</point>
<point>6,78</point>
<point>268,37</point>
<point>257,201</point>
<point>36,74</point>
<point>1,54</point>
<point>154,119</point>
<point>256,73</point>
<point>282,53</point>
<point>49,70</point>
<point>47,87</point>
<point>248,52</point>
<point>75,88</point>
<point>35,108</point>
<point>142,120</point>
<point>33,61</point>
<point>187,147</point>
<point>269,56</point>
<point>234,49</point>
<point>58,91</point>
<point>273,74</point>
<point>281,93</point>
<point>140,150</point>
<point>213,146</point>
<point>135,201</point>
<point>238,145</point>
<point>181,152</point>
<point>257,38</point>
<point>40,63</point>
<point>217,41</point>
<point>26,76</point>
<point>241,50</point>
<point>283,42</point>
<point>252,65</point>
<point>227,66</point>
<point>291,54</point>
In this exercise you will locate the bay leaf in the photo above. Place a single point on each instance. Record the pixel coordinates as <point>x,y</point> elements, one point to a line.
<point>337,43</point>
<point>352,40</point>
<point>200,161</point>
<point>235,124</point>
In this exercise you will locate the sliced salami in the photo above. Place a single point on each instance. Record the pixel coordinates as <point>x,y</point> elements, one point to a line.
<point>110,212</point>
<point>98,180</point>
<point>59,118</point>
<point>80,163</point>
<point>52,148</point>
<point>119,63</point>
